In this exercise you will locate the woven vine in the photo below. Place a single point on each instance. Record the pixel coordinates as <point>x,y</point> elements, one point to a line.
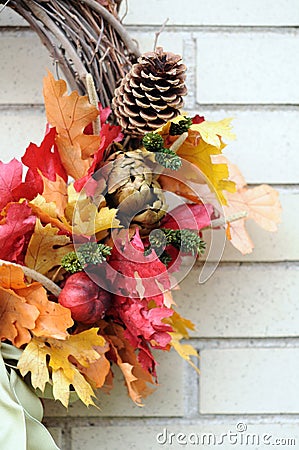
<point>83,37</point>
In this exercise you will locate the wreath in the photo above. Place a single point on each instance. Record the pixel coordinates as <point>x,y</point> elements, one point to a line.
<point>90,250</point>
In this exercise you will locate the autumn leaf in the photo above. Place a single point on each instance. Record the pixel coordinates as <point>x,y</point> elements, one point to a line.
<point>11,186</point>
<point>47,213</point>
<point>123,353</point>
<point>16,224</point>
<point>200,153</point>
<point>46,248</point>
<point>136,274</point>
<point>261,204</point>
<point>17,317</point>
<point>88,220</point>
<point>192,217</point>
<point>63,372</point>
<point>178,187</point>
<point>53,320</point>
<point>33,310</point>
<point>211,132</point>
<point>96,373</point>
<point>45,158</point>
<point>180,325</point>
<point>70,114</point>
<point>56,192</point>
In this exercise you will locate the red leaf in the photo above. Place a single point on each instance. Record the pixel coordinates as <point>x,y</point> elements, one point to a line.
<point>45,157</point>
<point>14,228</point>
<point>11,186</point>
<point>192,217</point>
<point>198,119</point>
<point>136,275</point>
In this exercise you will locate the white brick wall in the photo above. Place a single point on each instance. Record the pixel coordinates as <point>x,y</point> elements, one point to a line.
<point>243,62</point>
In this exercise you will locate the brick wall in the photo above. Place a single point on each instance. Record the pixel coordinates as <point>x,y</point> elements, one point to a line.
<point>243,62</point>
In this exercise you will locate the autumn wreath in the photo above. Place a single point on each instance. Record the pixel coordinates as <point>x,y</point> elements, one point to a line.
<point>98,220</point>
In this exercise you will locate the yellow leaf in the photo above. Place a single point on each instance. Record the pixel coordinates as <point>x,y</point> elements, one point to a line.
<point>212,131</point>
<point>180,324</point>
<point>47,212</point>
<point>200,153</point>
<point>184,350</point>
<point>89,221</point>
<point>64,373</point>
<point>46,248</point>
<point>70,114</point>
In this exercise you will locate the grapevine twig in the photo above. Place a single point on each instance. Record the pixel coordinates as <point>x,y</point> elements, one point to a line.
<point>46,282</point>
<point>94,100</point>
<point>223,220</point>
<point>157,34</point>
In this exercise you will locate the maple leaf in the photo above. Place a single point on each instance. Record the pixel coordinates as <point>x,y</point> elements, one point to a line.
<point>17,223</point>
<point>63,372</point>
<point>200,153</point>
<point>46,248</point>
<point>45,158</point>
<point>11,186</point>
<point>261,204</point>
<point>212,131</point>
<point>136,274</point>
<point>88,220</point>
<point>97,372</point>
<point>70,114</point>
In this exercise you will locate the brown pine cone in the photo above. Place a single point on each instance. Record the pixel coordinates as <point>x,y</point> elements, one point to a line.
<point>151,93</point>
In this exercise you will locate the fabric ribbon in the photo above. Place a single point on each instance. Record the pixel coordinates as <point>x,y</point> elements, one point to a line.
<point>21,410</point>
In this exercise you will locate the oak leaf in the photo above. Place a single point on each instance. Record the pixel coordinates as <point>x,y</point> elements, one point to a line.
<point>46,248</point>
<point>70,114</point>
<point>123,354</point>
<point>63,372</point>
<point>211,132</point>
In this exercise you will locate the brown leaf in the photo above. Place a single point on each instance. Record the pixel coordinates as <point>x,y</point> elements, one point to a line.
<point>70,114</point>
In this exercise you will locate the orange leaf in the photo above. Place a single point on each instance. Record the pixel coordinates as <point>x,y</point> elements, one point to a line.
<point>17,317</point>
<point>70,114</point>
<point>55,191</point>
<point>53,319</point>
<point>171,184</point>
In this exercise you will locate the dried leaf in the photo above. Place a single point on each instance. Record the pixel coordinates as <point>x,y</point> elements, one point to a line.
<point>56,192</point>
<point>70,114</point>
<point>63,373</point>
<point>46,248</point>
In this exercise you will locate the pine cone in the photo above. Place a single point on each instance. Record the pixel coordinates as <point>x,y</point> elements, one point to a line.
<point>133,189</point>
<point>151,93</point>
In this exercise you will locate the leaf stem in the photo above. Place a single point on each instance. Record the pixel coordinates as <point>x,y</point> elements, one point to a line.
<point>223,220</point>
<point>46,282</point>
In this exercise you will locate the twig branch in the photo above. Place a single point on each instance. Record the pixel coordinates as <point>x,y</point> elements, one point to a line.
<point>94,100</point>
<point>179,142</point>
<point>223,220</point>
<point>46,282</point>
<point>157,34</point>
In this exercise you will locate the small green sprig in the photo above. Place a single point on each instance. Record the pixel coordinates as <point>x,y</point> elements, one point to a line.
<point>153,142</point>
<point>168,159</point>
<point>89,253</point>
<point>180,127</point>
<point>184,240</point>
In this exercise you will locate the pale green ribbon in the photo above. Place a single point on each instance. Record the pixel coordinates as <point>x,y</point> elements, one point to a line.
<point>21,410</point>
